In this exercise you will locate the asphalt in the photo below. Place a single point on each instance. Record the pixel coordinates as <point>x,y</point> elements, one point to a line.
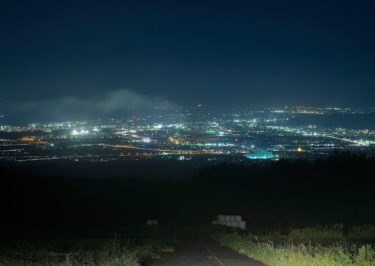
<point>203,251</point>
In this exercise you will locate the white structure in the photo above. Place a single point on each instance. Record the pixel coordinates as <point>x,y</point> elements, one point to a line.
<point>234,221</point>
<point>152,222</point>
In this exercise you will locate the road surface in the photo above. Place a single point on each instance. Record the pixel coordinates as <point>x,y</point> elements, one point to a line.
<point>203,251</point>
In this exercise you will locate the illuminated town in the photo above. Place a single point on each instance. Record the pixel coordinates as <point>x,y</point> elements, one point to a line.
<point>197,134</point>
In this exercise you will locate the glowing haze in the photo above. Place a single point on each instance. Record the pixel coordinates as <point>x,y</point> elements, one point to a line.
<point>110,103</point>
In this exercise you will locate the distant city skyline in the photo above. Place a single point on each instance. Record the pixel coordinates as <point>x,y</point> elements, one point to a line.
<point>89,109</point>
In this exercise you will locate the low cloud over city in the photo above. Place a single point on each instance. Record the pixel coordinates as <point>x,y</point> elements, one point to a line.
<point>112,102</point>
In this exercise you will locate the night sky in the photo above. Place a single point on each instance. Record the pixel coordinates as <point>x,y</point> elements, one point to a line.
<point>59,55</point>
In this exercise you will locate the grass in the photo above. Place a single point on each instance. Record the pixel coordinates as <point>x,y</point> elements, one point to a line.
<point>89,251</point>
<point>312,246</point>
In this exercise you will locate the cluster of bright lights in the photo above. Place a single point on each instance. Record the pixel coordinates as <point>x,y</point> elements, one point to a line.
<point>366,143</point>
<point>146,140</point>
<point>260,155</point>
<point>81,132</point>
<point>159,126</point>
<point>216,144</point>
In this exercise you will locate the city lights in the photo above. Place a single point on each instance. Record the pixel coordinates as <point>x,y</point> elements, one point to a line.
<point>215,135</point>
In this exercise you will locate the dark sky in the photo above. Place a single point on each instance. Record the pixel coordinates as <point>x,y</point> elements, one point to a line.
<point>218,53</point>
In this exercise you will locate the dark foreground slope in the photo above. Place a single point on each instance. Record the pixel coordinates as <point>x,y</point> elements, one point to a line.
<point>268,195</point>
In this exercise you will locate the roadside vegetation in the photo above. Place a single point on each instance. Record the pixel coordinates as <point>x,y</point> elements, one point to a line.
<point>84,251</point>
<point>312,246</point>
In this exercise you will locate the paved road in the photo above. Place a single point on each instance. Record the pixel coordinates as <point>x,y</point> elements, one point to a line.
<point>203,251</point>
